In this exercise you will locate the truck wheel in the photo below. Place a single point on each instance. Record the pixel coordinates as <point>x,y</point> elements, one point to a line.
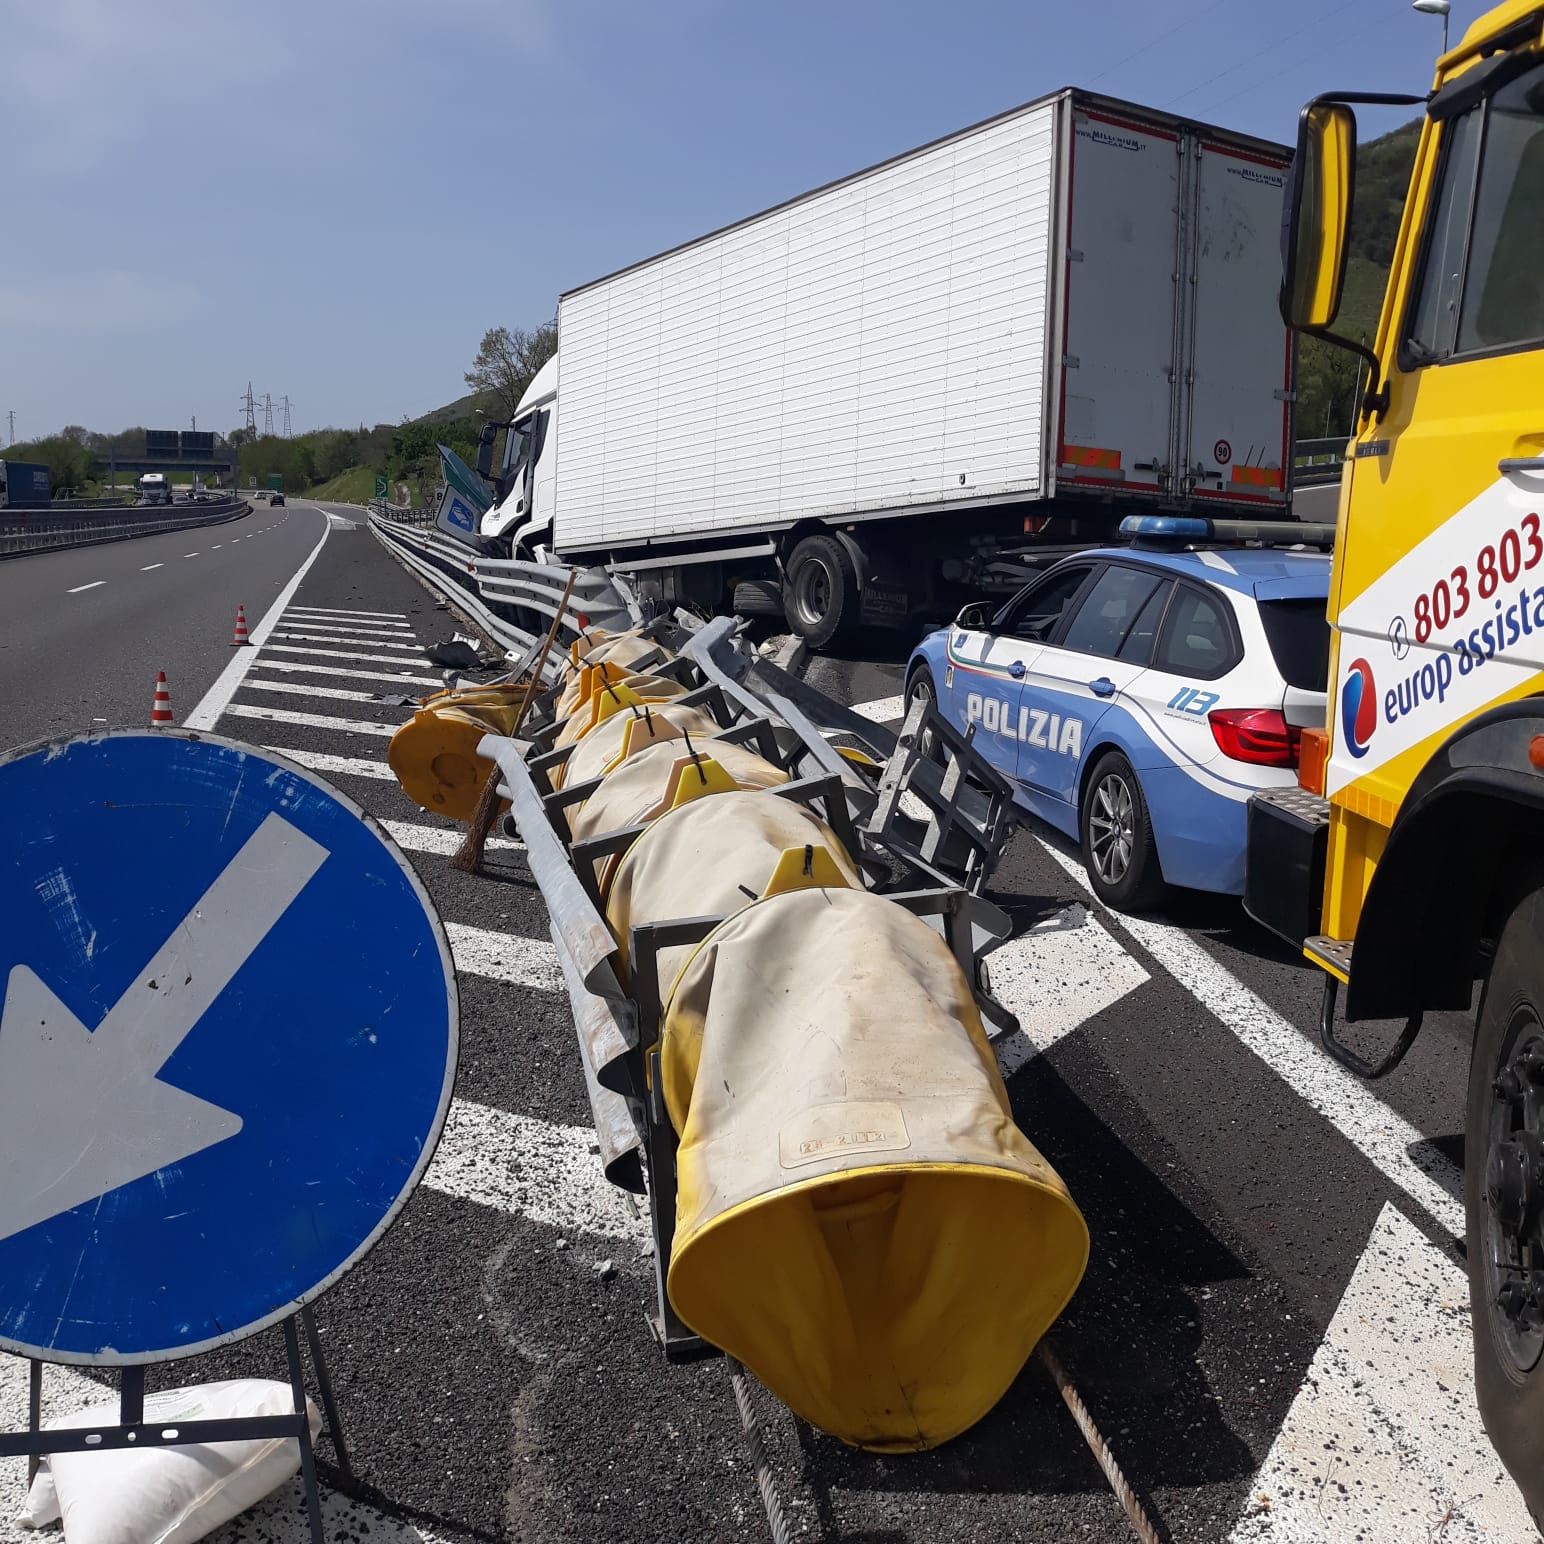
<point>820,591</point>
<point>1504,1199</point>
<point>1118,848</point>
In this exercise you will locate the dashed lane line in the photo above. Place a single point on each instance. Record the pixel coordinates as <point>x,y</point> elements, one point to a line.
<point>375,659</point>
<point>1061,973</point>
<point>307,689</point>
<point>148,566</point>
<point>339,766</point>
<point>505,957</point>
<point>545,1172</point>
<point>375,643</point>
<point>95,584</point>
<point>1385,1138</point>
<point>347,611</point>
<point>344,673</point>
<point>309,720</point>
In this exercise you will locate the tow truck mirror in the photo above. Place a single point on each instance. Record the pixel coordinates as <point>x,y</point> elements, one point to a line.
<point>974,618</point>
<point>1317,216</point>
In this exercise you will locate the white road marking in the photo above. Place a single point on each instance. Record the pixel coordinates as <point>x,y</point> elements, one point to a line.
<point>533,1168</point>
<point>190,554</point>
<point>370,631</point>
<point>310,720</point>
<point>213,703</point>
<point>884,710</point>
<point>346,674</point>
<point>343,766</point>
<point>347,611</point>
<point>278,1519</point>
<point>339,618</point>
<point>378,659</point>
<point>306,689</point>
<point>439,839</point>
<point>375,643</point>
<point>505,957</point>
<point>148,566</point>
<point>1386,1139</point>
<point>1384,1437</point>
<point>1061,973</point>
<point>217,546</point>
<point>95,583</point>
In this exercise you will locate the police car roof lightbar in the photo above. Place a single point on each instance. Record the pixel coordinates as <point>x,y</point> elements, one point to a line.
<point>1187,530</point>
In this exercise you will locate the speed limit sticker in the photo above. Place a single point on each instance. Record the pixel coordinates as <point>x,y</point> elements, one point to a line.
<point>1222,452</point>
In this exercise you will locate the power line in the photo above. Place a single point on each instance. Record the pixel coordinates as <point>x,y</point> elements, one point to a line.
<point>1313,53</point>
<point>1243,64</point>
<point>1163,36</point>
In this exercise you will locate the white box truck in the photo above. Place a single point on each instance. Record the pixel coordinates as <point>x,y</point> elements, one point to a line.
<point>924,378</point>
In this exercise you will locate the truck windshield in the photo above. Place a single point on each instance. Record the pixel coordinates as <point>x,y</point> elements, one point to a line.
<point>1299,637</point>
<point>1482,284</point>
<point>517,446</point>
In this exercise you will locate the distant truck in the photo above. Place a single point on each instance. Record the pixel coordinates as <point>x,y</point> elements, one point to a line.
<point>923,380</point>
<point>154,488</point>
<point>24,485</point>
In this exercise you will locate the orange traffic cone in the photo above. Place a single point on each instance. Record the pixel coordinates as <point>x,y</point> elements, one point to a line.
<point>241,639</point>
<point>161,709</point>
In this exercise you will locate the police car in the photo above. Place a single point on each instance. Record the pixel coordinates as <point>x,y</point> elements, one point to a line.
<point>1139,695</point>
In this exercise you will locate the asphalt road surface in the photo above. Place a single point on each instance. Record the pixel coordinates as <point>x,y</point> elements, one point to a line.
<point>1273,1331</point>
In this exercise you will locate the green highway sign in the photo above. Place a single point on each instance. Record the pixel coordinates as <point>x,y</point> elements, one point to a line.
<point>380,487</point>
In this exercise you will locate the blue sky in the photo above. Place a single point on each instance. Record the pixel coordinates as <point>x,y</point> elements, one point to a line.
<point>334,198</point>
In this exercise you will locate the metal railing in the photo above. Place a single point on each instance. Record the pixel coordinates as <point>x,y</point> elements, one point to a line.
<point>1317,462</point>
<point>24,531</point>
<point>513,602</point>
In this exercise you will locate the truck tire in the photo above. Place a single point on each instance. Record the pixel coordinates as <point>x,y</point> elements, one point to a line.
<point>820,591</point>
<point>1118,847</point>
<point>1504,1198</point>
<point>758,598</point>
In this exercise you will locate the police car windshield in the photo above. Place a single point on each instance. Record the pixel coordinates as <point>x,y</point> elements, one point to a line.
<point>1299,637</point>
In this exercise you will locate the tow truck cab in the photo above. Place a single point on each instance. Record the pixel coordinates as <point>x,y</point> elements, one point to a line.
<point>1409,864</point>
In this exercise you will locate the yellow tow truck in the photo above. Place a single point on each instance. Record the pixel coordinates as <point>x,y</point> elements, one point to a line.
<point>1409,862</point>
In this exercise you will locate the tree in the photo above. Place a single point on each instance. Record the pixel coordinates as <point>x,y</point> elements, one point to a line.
<point>507,363</point>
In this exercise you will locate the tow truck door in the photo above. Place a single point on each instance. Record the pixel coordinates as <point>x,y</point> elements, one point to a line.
<point>1439,580</point>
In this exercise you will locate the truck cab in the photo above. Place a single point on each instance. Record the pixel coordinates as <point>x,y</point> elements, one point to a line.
<point>522,517</point>
<point>1409,866</point>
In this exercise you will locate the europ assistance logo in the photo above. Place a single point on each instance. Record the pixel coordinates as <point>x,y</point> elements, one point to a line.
<point>1358,708</point>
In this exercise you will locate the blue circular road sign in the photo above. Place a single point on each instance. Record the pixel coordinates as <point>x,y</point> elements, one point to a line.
<point>227,1042</point>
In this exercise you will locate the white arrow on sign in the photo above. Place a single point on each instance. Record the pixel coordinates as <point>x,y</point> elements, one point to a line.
<point>82,1112</point>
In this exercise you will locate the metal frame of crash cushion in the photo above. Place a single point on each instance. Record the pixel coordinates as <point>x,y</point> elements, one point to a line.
<point>133,1432</point>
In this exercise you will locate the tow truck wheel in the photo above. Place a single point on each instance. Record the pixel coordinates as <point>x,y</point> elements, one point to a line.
<point>1118,848</point>
<point>1504,1199</point>
<point>820,591</point>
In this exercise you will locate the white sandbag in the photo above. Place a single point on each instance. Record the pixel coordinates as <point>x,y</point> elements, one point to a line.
<point>166,1495</point>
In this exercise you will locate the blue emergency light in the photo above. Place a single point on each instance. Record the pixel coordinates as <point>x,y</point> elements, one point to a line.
<point>1185,530</point>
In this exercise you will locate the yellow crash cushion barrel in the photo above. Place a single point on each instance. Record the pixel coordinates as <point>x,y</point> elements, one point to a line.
<point>434,754</point>
<point>660,778</point>
<point>611,662</point>
<point>625,734</point>
<point>597,644</point>
<point>712,857</point>
<point>612,697</point>
<point>859,1220</point>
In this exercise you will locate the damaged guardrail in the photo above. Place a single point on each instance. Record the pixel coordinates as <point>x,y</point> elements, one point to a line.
<point>768,916</point>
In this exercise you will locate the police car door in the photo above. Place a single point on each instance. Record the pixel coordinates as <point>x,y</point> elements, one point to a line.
<point>987,669</point>
<point>1093,658</point>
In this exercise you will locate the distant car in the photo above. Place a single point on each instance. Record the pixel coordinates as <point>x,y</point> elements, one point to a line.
<point>275,498</point>
<point>1137,696</point>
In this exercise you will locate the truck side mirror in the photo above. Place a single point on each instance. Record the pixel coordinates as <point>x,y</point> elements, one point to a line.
<point>1316,216</point>
<point>974,618</point>
<point>485,437</point>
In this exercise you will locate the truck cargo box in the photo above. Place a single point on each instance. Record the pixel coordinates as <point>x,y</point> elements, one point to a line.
<point>1073,302</point>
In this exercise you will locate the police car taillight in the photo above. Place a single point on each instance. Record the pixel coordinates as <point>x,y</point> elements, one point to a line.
<point>1259,735</point>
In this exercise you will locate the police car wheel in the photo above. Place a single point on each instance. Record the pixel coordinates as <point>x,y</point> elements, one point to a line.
<point>820,591</point>
<point>920,684</point>
<point>1118,848</point>
<point>1504,1198</point>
